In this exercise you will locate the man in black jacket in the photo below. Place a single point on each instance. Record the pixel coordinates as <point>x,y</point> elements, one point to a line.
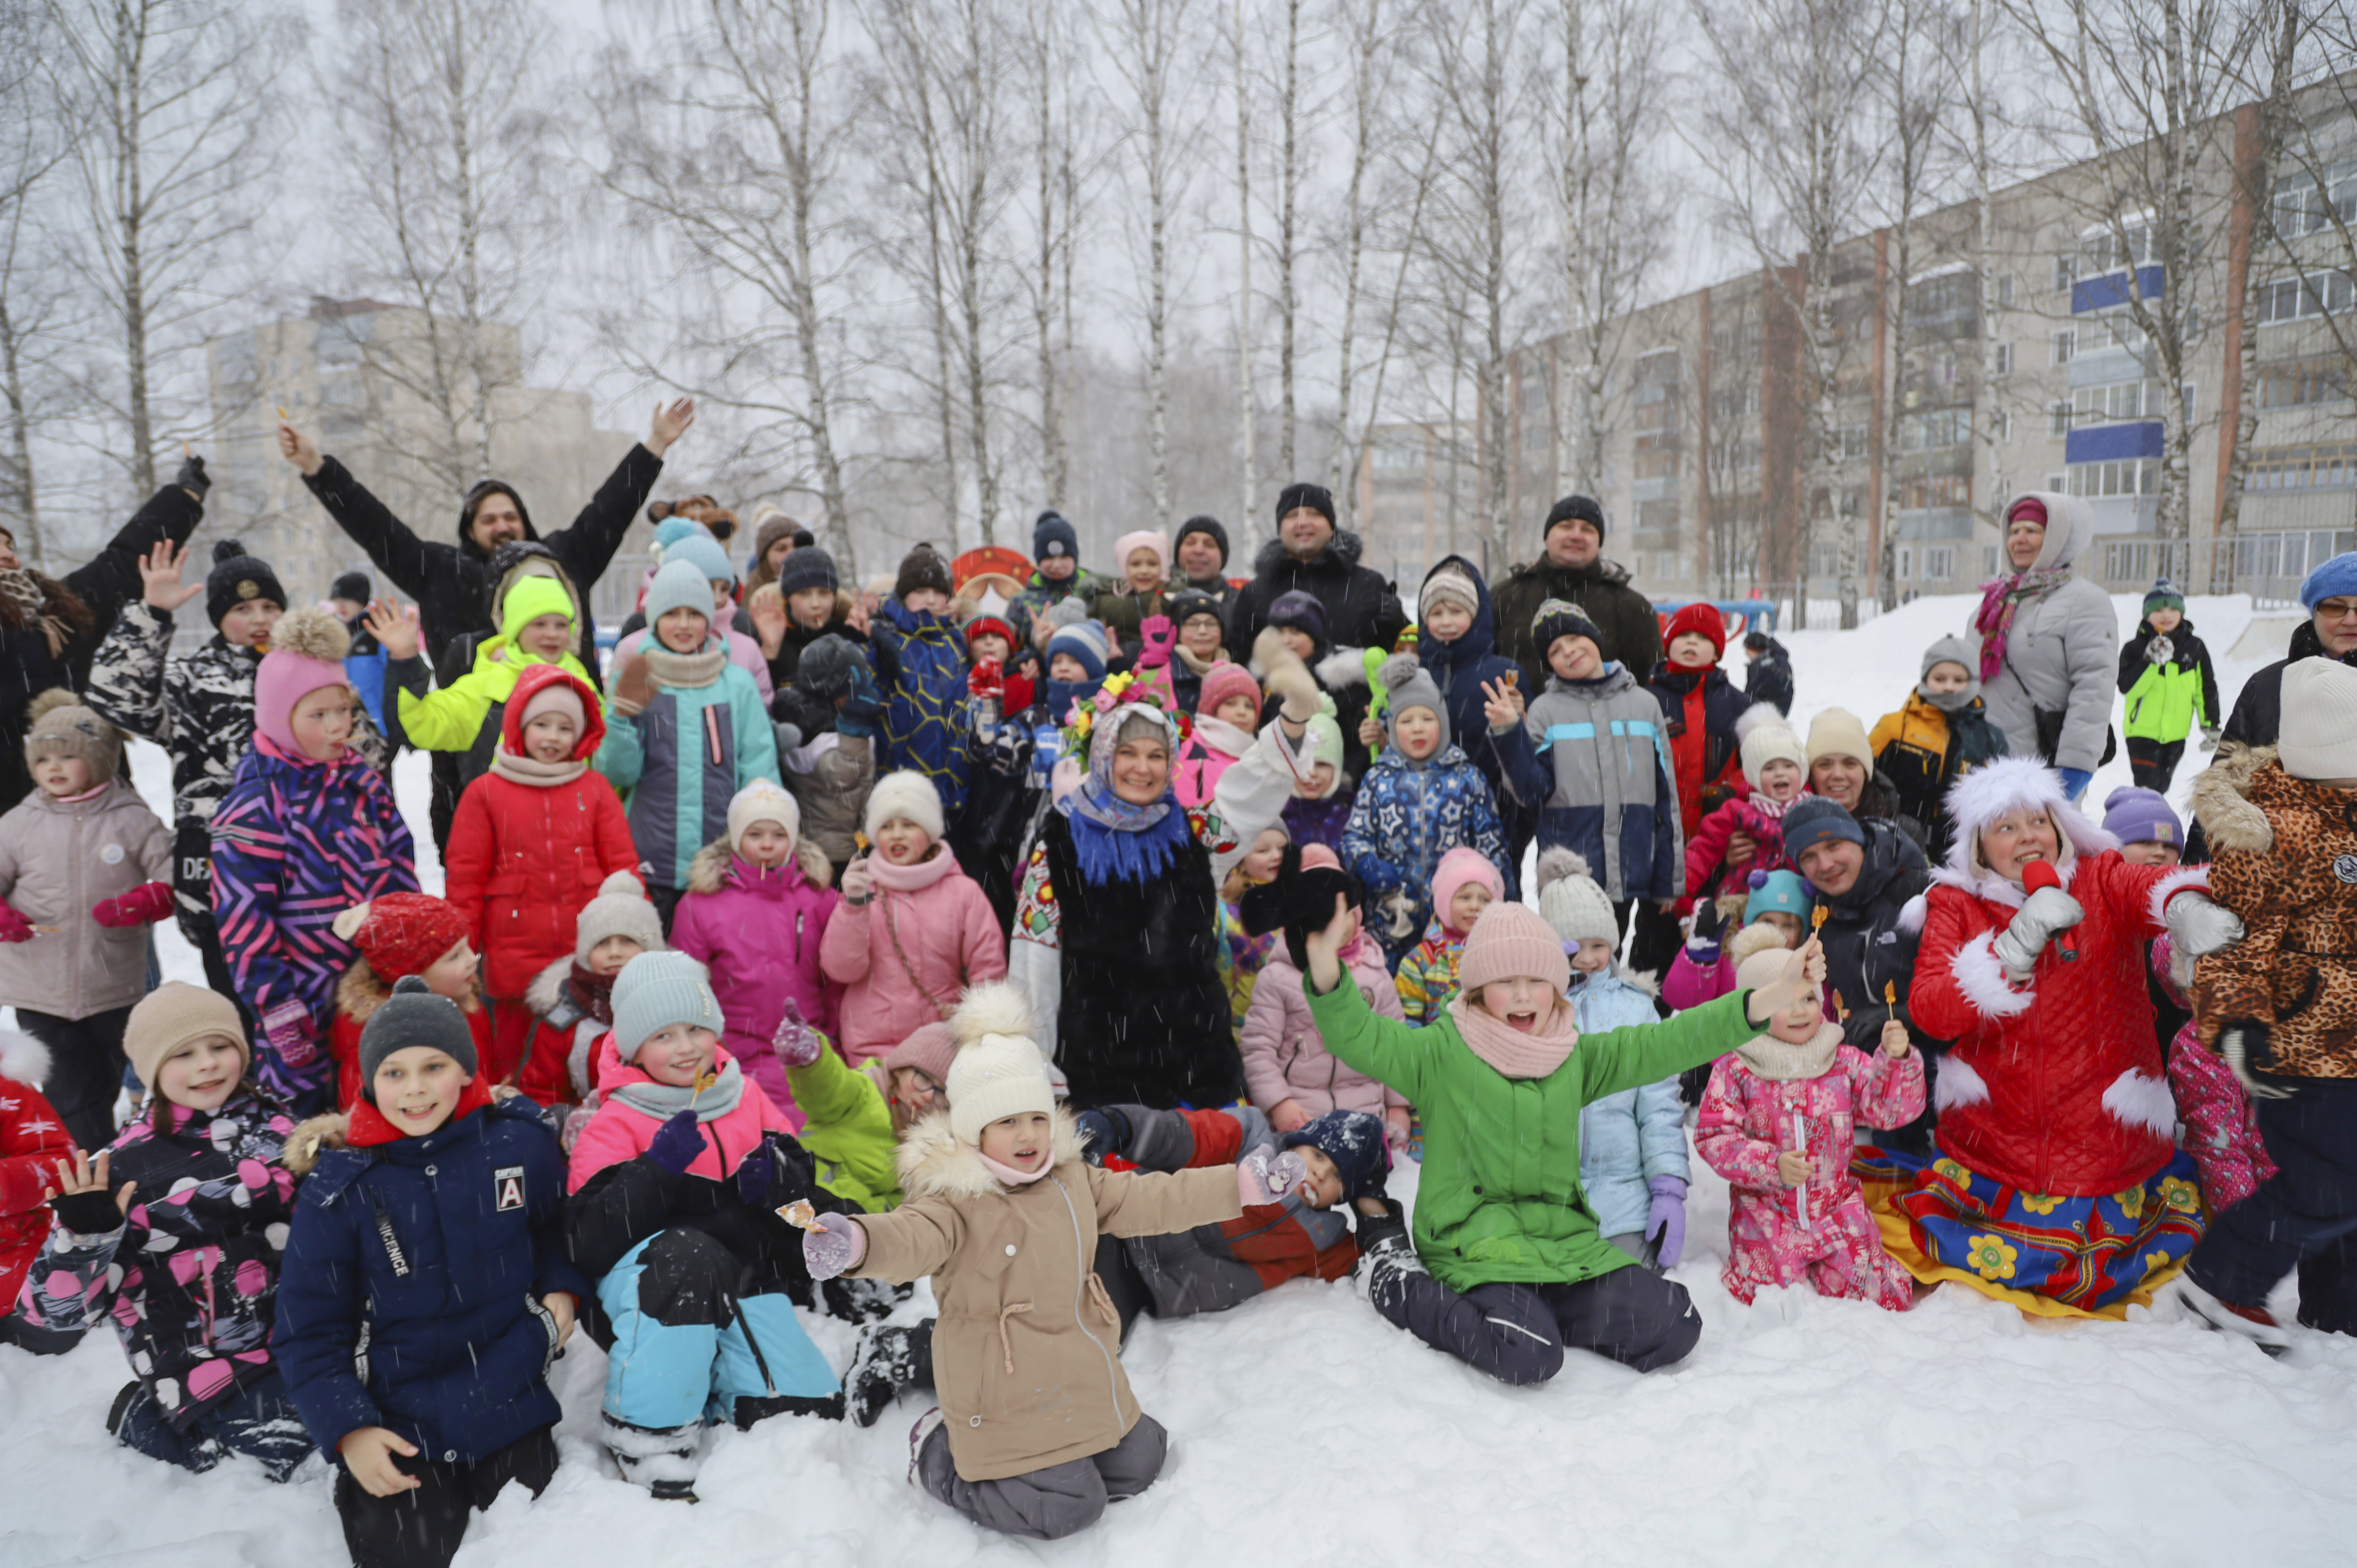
<point>1770,677</point>
<point>1574,569</point>
<point>452,583</point>
<point>1311,554</point>
<point>1200,559</point>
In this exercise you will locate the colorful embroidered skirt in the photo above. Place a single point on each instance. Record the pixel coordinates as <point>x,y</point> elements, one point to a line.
<point>2055,1256</point>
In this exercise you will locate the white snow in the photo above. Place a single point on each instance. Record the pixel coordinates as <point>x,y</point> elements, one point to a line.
<point>1305,1428</point>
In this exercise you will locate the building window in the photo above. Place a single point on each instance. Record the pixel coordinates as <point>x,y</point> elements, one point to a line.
<point>1920,492</point>
<point>1988,560</point>
<point>1853,442</point>
<point>2317,294</point>
<point>2057,483</point>
<point>1934,429</point>
<point>2295,383</point>
<point>2065,341</point>
<point>1665,565</point>
<point>2127,244</point>
<point>2001,359</point>
<point>1825,561</point>
<point>1939,563</point>
<point>2004,291</point>
<point>2001,425</point>
<point>2115,401</point>
<point>2302,207</point>
<point>2325,467</point>
<point>2066,273</point>
<point>2122,477</point>
<point>2058,417</point>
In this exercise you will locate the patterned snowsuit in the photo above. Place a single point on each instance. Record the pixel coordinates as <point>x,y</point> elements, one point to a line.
<point>920,665</point>
<point>1822,1230</point>
<point>1407,815</point>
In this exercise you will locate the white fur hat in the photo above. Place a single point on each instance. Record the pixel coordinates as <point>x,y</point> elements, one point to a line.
<point>763,801</point>
<point>998,1071</point>
<point>904,794</point>
<point>1571,899</point>
<point>2013,784</point>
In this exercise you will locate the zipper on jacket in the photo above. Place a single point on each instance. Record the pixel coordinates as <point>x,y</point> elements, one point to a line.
<point>1079,1301</point>
<point>392,1251</point>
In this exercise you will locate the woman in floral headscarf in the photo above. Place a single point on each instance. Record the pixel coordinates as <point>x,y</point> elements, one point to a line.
<point>1117,929</point>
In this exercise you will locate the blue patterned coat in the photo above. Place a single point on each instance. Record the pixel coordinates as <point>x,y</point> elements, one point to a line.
<point>921,664</point>
<point>1407,815</point>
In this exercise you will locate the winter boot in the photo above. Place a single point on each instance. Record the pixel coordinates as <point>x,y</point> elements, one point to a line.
<point>122,1406</point>
<point>673,1492</point>
<point>2255,1324</point>
<point>860,1301</point>
<point>888,1358</point>
<point>1387,1259</point>
<point>664,1461</point>
<point>916,1435</point>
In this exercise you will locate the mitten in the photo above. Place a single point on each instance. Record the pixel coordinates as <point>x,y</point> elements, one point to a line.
<point>1263,1180</point>
<point>2197,925</point>
<point>986,680</point>
<point>143,906</point>
<point>1387,1229</point>
<point>87,1213</point>
<point>2074,782</point>
<point>837,1244</point>
<point>756,1173</point>
<point>1667,1219</point>
<point>192,476</point>
<point>2042,914</point>
<point>2159,650</point>
<point>2244,1044</point>
<point>2209,737</point>
<point>1104,1131</point>
<point>293,1034</point>
<point>863,709</point>
<point>1156,636</point>
<point>796,1043</point>
<point>14,927</point>
<point>676,1143</point>
<point>1703,947</point>
<point>1287,677</point>
<point>634,686</point>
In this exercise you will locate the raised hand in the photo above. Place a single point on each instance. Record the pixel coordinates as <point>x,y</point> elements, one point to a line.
<point>669,424</point>
<point>298,449</point>
<point>766,610</point>
<point>1502,705</point>
<point>159,569</point>
<point>81,1203</point>
<point>835,1244</point>
<point>393,627</point>
<point>1803,976</point>
<point>1324,946</point>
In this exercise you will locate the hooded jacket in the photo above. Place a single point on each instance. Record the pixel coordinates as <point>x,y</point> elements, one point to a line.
<point>1628,1138</point>
<point>1406,815</point>
<point>1923,748</point>
<point>1633,633</point>
<point>2165,701</point>
<point>452,583</point>
<point>905,956</point>
<point>32,1142</point>
<point>59,860</point>
<point>2055,1086</point>
<point>1768,677</point>
<point>1361,611</point>
<point>1871,934</point>
<point>921,669</point>
<point>848,1128</point>
<point>468,714</point>
<point>758,934</point>
<point>620,1132</point>
<point>2257,718</point>
<point>683,760</point>
<point>1702,716</point>
<point>2062,650</point>
<point>523,857</point>
<point>1592,754</point>
<point>358,995</point>
<point>411,1295</point>
<point>1460,669</point>
<point>1284,1057</point>
<point>1027,1349</point>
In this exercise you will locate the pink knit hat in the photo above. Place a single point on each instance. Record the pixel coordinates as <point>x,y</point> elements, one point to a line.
<point>307,653</point>
<point>1457,867</point>
<point>1314,855</point>
<point>1129,545</point>
<point>930,1050</point>
<point>1223,681</point>
<point>1510,939</point>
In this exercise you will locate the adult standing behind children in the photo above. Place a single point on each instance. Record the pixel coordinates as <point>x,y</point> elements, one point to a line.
<point>2048,642</point>
<point>1573,569</point>
<point>1201,551</point>
<point>1311,555</point>
<point>2328,593</point>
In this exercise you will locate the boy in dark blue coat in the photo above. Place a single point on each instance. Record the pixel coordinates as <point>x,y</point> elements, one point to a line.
<point>1457,643</point>
<point>425,1288</point>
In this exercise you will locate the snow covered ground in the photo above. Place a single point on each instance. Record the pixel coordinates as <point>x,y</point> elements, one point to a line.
<point>1802,1430</point>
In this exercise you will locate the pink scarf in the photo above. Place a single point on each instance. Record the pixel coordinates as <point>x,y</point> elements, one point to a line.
<point>1999,601</point>
<point>1512,1053</point>
<point>916,878</point>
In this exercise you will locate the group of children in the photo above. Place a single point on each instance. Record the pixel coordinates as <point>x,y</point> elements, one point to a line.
<point>711,1023</point>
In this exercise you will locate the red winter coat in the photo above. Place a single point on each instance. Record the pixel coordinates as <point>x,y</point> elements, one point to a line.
<point>1699,708</point>
<point>2055,1088</point>
<point>32,1140</point>
<point>522,859</point>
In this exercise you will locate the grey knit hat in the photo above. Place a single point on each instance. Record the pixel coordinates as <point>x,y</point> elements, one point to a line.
<point>414,1015</point>
<point>620,910</point>
<point>656,990</point>
<point>1409,687</point>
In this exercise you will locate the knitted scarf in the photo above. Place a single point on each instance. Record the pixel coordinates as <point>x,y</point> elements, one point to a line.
<point>2000,600</point>
<point>1118,841</point>
<point>24,596</point>
<point>594,993</point>
<point>686,672</point>
<point>664,1100</point>
<point>533,773</point>
<point>1786,1061</point>
<point>1506,1048</point>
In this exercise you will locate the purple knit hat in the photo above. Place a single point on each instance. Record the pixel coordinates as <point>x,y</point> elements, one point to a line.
<point>2141,816</point>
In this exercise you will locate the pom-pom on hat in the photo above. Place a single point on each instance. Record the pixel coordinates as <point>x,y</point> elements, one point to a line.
<point>1512,940</point>
<point>306,655</point>
<point>1573,904</point>
<point>908,794</point>
<point>657,990</point>
<point>1457,867</point>
<point>414,1015</point>
<point>171,1016</point>
<point>236,577</point>
<point>620,910</point>
<point>998,1071</point>
<point>62,727</point>
<point>1354,1141</point>
<point>402,934</point>
<point>1409,688</point>
<point>763,801</point>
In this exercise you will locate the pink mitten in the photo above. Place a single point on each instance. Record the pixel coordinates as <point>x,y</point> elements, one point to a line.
<point>143,906</point>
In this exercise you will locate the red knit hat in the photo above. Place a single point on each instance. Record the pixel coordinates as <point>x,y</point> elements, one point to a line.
<point>1701,619</point>
<point>401,934</point>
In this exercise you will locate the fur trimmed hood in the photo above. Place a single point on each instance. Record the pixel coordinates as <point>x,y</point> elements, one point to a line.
<point>547,991</point>
<point>934,1163</point>
<point>708,872</point>
<point>23,1057</point>
<point>1342,553</point>
<point>2230,818</point>
<point>362,991</point>
<point>2012,784</point>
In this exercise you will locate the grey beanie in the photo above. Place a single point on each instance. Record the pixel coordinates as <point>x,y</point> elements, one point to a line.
<point>1409,687</point>
<point>414,1015</point>
<point>1950,650</point>
<point>656,990</point>
<point>680,585</point>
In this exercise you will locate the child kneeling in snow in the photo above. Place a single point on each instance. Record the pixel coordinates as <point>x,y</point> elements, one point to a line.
<point>179,1243</point>
<point>426,1288</point>
<point>675,1182</point>
<point>1778,1123</point>
<point>1038,1430</point>
<point>1632,1144</point>
<point>1509,1266</point>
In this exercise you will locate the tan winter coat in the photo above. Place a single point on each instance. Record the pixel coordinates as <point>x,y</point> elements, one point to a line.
<point>57,863</point>
<point>2285,859</point>
<point>1027,1353</point>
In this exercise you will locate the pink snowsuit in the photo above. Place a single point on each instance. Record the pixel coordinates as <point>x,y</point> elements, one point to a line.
<point>1756,816</point>
<point>2222,1129</point>
<point>905,956</point>
<point>1285,1059</point>
<point>1690,984</point>
<point>1206,755</point>
<point>758,933</point>
<point>1821,1230</point>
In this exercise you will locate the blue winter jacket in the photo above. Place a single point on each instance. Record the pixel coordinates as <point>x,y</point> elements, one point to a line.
<point>921,663</point>
<point>1458,669</point>
<point>1594,751</point>
<point>680,762</point>
<point>410,1294</point>
<point>1406,816</point>
<point>1625,1139</point>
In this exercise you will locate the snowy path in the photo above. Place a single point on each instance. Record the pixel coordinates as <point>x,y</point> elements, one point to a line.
<point>1800,1431</point>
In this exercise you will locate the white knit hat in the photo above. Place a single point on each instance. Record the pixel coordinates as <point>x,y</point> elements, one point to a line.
<point>620,910</point>
<point>904,794</point>
<point>1770,740</point>
<point>763,801</point>
<point>1837,732</point>
<point>2318,737</point>
<point>998,1071</point>
<point>1571,901</point>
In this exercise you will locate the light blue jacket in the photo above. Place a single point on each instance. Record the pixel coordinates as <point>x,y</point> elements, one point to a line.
<point>1638,1133</point>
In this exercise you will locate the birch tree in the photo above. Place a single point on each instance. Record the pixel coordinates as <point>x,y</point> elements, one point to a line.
<point>1247,391</point>
<point>32,303</point>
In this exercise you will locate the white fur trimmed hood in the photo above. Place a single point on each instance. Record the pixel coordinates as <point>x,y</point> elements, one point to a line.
<point>1988,793</point>
<point>932,1162</point>
<point>23,1057</point>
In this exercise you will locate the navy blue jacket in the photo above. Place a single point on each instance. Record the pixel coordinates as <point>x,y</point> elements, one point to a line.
<point>1459,669</point>
<point>410,1296</point>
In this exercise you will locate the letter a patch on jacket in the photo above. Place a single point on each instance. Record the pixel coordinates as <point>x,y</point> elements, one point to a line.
<point>507,1188</point>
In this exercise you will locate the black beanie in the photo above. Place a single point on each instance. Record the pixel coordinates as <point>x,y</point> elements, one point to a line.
<point>1052,536</point>
<point>1301,493</point>
<point>1203,524</point>
<point>1574,509</point>
<point>414,1015</point>
<point>807,567</point>
<point>352,585</point>
<point>237,577</point>
<point>920,568</point>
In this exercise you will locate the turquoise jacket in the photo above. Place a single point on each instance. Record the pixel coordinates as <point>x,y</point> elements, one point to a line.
<point>680,762</point>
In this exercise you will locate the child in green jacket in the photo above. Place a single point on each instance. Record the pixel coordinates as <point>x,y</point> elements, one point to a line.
<point>1508,1266</point>
<point>537,626</point>
<point>2167,678</point>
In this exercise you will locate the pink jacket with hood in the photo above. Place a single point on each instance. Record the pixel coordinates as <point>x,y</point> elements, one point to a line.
<point>758,933</point>
<point>1285,1059</point>
<point>905,956</point>
<point>620,1132</point>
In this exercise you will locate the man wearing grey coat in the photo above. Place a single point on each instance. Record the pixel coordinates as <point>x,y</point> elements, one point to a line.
<point>2058,639</point>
